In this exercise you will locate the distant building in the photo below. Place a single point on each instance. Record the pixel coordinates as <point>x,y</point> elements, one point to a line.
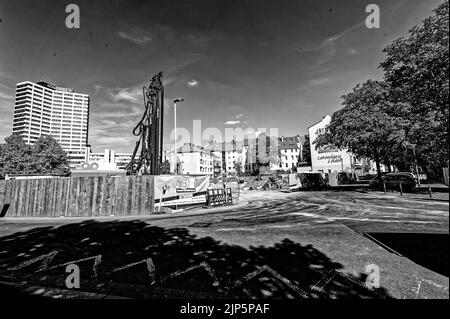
<point>228,154</point>
<point>290,151</point>
<point>195,160</point>
<point>216,151</point>
<point>109,160</point>
<point>235,152</point>
<point>45,109</point>
<point>262,154</point>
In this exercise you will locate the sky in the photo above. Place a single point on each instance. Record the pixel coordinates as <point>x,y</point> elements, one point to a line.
<point>281,64</point>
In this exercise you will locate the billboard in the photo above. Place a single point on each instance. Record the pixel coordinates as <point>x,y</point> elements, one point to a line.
<point>180,189</point>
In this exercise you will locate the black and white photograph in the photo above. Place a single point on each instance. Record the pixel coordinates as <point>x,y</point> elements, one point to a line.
<point>224,156</point>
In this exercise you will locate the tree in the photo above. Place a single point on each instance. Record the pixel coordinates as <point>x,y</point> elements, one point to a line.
<point>238,168</point>
<point>418,69</point>
<point>306,152</point>
<point>165,167</point>
<point>262,152</point>
<point>15,156</point>
<point>369,125</point>
<point>45,157</point>
<point>48,157</point>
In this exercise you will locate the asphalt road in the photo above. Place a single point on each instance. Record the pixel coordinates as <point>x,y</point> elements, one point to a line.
<point>270,245</point>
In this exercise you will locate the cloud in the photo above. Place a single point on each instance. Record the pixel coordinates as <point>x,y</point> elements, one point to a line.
<point>6,96</point>
<point>234,107</point>
<point>98,88</point>
<point>130,94</point>
<point>232,122</point>
<point>312,84</point>
<point>341,34</point>
<point>352,51</point>
<point>167,81</point>
<point>327,55</point>
<point>136,36</point>
<point>318,81</point>
<point>239,116</point>
<point>193,83</point>
<point>328,46</point>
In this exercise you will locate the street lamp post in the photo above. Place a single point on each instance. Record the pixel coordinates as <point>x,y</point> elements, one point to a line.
<point>175,156</point>
<point>417,166</point>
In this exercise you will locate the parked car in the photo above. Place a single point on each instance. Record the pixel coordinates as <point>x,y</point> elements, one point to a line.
<point>393,180</point>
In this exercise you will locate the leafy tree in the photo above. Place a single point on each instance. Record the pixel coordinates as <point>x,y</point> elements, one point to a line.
<point>15,156</point>
<point>306,153</point>
<point>45,157</point>
<point>403,120</point>
<point>238,168</point>
<point>48,157</point>
<point>165,167</point>
<point>417,67</point>
<point>369,125</point>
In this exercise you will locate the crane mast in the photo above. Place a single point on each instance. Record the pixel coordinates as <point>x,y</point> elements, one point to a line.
<point>150,131</point>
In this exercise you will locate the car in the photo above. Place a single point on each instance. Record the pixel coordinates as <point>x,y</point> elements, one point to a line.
<point>393,180</point>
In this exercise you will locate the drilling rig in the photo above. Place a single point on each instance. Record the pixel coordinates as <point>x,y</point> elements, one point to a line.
<point>150,131</point>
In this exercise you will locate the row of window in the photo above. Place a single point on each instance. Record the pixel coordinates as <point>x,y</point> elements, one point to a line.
<point>56,97</point>
<point>38,88</point>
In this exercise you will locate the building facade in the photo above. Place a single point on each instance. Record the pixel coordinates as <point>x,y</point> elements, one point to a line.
<point>110,160</point>
<point>45,109</point>
<point>329,159</point>
<point>235,152</point>
<point>227,155</point>
<point>195,159</point>
<point>290,152</point>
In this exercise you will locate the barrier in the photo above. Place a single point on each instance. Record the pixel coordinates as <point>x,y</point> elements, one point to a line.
<point>77,197</point>
<point>218,196</point>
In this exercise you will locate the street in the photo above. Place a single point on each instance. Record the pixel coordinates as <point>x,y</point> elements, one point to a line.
<point>269,245</point>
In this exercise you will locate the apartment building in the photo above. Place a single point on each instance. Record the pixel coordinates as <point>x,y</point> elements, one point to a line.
<point>235,152</point>
<point>290,151</point>
<point>45,109</point>
<point>195,160</point>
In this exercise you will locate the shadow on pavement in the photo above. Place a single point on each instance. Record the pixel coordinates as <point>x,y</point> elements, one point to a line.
<point>427,250</point>
<point>185,266</point>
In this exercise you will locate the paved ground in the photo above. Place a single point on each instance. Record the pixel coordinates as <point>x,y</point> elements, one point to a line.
<point>272,244</point>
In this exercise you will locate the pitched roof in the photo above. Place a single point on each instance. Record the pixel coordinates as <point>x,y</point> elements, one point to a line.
<point>289,142</point>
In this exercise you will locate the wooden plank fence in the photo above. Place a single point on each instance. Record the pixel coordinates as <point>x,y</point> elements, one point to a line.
<point>78,196</point>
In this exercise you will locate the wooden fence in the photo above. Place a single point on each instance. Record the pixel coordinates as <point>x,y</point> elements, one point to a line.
<point>78,196</point>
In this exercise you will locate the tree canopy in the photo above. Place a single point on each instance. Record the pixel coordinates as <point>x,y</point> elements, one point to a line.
<point>306,153</point>
<point>417,67</point>
<point>369,125</point>
<point>46,156</point>
<point>15,156</point>
<point>404,118</point>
